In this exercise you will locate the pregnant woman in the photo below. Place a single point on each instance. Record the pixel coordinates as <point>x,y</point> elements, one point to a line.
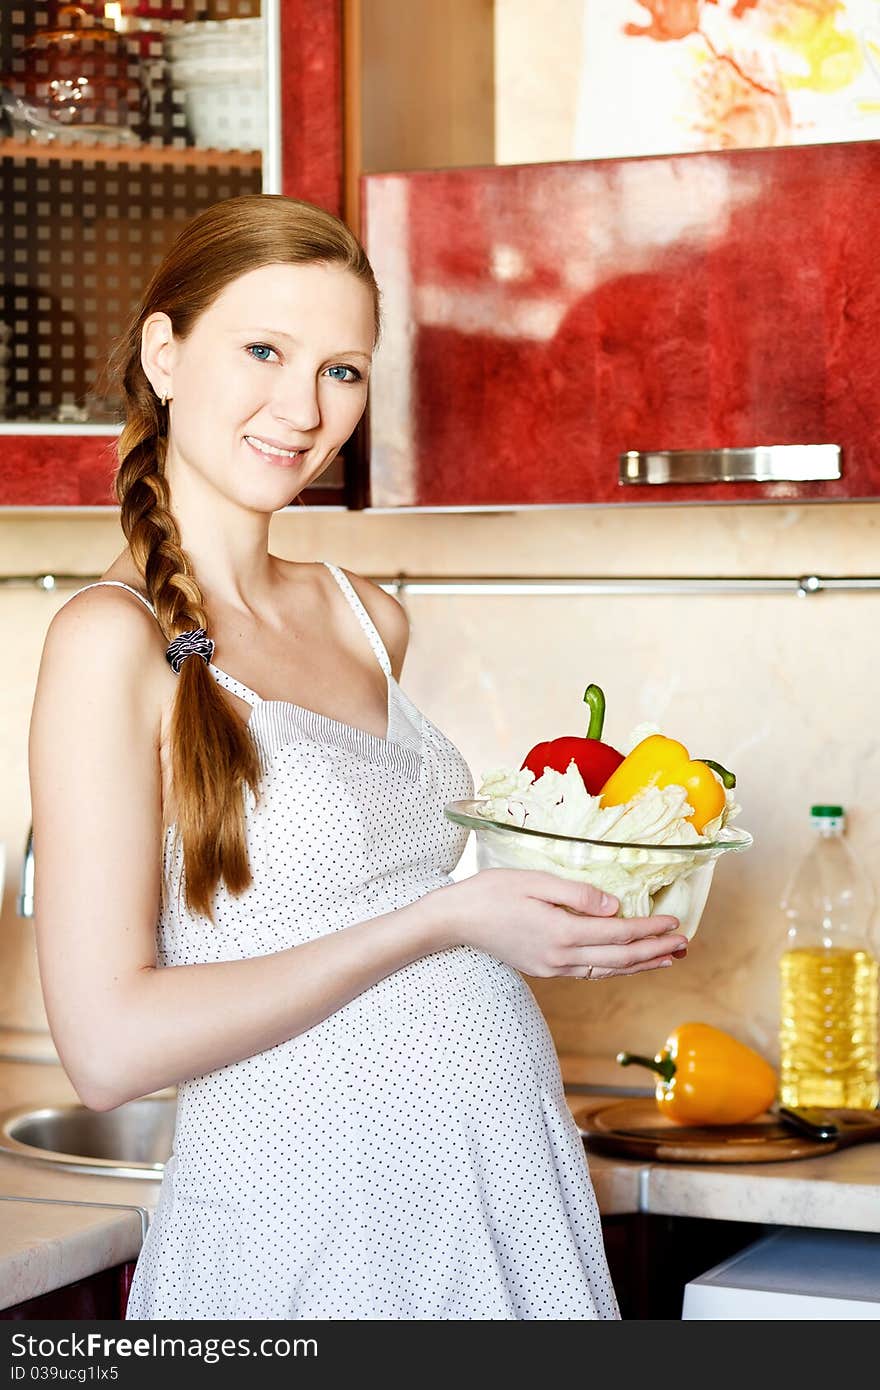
<point>243,867</point>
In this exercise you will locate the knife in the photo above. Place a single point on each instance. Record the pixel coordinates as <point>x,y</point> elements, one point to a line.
<point>839,1127</point>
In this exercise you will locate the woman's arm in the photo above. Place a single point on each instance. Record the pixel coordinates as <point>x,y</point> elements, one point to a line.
<point>123,1027</point>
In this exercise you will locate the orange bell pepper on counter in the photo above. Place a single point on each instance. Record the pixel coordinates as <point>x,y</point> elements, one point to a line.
<point>707,1077</point>
<point>663,762</point>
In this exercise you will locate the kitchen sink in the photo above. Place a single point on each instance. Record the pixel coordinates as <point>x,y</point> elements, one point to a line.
<point>132,1141</point>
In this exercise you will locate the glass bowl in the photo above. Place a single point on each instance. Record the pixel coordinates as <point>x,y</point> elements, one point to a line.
<point>649,880</point>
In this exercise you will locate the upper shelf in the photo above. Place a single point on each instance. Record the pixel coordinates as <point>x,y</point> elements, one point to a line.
<point>187,156</point>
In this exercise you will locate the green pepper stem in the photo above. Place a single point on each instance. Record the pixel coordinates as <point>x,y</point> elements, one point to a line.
<point>663,1065</point>
<point>594,698</point>
<point>727,778</point>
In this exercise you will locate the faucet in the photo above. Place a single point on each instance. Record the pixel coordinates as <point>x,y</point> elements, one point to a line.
<point>26,897</point>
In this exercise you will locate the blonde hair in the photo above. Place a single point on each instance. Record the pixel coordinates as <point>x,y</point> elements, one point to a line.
<point>213,758</point>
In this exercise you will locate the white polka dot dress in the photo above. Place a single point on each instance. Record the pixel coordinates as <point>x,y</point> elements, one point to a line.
<point>410,1157</point>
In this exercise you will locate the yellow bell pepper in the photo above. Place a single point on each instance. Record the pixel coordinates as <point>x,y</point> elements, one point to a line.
<point>662,762</point>
<point>707,1077</point>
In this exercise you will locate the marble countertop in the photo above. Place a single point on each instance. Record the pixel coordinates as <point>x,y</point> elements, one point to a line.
<point>836,1190</point>
<point>57,1227</point>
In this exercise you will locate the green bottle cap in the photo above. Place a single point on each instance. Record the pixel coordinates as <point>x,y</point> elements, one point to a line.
<point>826,811</point>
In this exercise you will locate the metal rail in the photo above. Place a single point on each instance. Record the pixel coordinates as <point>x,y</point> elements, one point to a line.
<point>801,586</point>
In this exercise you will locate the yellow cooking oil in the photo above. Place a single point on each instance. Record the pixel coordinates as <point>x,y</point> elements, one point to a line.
<point>828,1035</point>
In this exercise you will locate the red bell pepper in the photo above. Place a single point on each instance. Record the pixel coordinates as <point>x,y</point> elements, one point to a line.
<point>595,761</point>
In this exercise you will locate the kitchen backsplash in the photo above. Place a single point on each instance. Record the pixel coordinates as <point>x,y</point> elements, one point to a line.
<point>782,690</point>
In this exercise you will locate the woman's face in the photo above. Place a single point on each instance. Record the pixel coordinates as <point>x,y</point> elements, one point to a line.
<point>270,381</point>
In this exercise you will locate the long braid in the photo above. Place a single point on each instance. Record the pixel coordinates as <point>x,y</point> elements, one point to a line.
<point>211,751</point>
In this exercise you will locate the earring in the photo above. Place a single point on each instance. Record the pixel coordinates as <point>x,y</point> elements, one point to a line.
<point>164,400</point>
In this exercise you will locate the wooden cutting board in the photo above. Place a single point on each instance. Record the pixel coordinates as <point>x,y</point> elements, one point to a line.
<point>636,1129</point>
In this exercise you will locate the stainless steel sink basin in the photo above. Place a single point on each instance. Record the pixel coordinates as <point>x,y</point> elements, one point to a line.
<point>132,1141</point>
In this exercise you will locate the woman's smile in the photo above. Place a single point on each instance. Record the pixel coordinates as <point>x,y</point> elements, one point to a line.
<point>273,453</point>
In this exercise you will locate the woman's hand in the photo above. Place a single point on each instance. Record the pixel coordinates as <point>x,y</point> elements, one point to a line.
<point>544,925</point>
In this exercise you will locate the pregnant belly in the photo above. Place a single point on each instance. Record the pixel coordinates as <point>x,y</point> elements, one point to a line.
<point>437,987</point>
<point>459,1051</point>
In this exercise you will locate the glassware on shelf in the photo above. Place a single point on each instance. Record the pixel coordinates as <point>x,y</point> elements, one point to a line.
<point>98,184</point>
<point>217,70</point>
<point>79,79</point>
<point>31,122</point>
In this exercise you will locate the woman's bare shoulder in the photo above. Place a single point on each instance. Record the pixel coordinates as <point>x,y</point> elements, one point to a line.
<point>388,614</point>
<point>105,639</point>
<point>105,611</point>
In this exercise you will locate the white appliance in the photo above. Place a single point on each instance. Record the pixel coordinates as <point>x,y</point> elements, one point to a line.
<point>792,1274</point>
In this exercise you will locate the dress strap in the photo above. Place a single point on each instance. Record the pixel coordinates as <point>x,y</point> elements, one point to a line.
<point>228,682</point>
<point>362,616</point>
<point>238,688</point>
<point>116,584</point>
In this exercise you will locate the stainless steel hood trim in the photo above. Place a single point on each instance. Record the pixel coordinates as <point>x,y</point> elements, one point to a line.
<point>770,463</point>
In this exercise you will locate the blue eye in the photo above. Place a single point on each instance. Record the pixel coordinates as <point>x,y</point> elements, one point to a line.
<point>353,373</point>
<point>260,351</point>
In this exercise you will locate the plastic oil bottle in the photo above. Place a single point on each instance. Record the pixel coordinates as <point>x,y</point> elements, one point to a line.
<point>829,977</point>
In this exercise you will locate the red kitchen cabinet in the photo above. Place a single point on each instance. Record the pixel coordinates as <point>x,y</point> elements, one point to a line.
<point>85,220</point>
<point>542,321</point>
